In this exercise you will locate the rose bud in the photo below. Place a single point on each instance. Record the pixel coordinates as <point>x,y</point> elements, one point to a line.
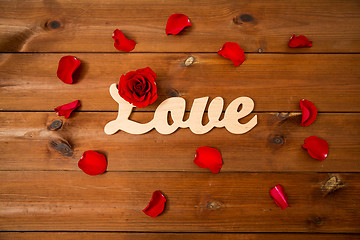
<point>156,205</point>
<point>67,67</point>
<point>232,51</point>
<point>207,157</point>
<point>279,196</point>
<point>317,148</point>
<point>138,87</point>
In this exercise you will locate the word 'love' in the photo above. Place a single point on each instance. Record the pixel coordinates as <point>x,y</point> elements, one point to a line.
<point>176,107</point>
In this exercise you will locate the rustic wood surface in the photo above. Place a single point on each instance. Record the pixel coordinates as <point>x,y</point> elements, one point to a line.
<point>167,236</point>
<point>278,136</point>
<point>276,82</point>
<point>43,193</point>
<point>83,26</point>
<point>199,202</point>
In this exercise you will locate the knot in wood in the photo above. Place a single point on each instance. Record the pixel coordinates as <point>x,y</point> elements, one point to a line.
<point>52,24</point>
<point>243,18</point>
<point>279,140</point>
<point>172,92</point>
<point>332,184</point>
<point>317,220</point>
<point>62,146</point>
<point>55,125</point>
<point>213,205</point>
<point>189,61</point>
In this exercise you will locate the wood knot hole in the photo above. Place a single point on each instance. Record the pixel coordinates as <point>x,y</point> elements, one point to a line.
<point>213,205</point>
<point>243,18</point>
<point>278,140</point>
<point>317,220</point>
<point>54,24</point>
<point>55,125</point>
<point>61,146</point>
<point>189,61</point>
<point>332,184</point>
<point>246,18</point>
<point>172,92</point>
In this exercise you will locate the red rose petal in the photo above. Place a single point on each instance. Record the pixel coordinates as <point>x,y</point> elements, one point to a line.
<point>279,196</point>
<point>92,163</point>
<point>121,42</point>
<point>309,112</point>
<point>299,42</point>
<point>67,67</point>
<point>232,51</point>
<point>176,23</point>
<point>156,204</point>
<point>67,109</point>
<point>207,157</point>
<point>317,148</point>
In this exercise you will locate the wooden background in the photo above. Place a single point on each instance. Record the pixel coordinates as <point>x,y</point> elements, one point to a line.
<point>44,195</point>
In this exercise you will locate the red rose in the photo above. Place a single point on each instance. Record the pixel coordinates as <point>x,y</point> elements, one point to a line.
<point>139,87</point>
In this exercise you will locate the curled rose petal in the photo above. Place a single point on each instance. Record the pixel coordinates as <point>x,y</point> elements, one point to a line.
<point>317,148</point>
<point>299,41</point>
<point>156,204</point>
<point>207,157</point>
<point>232,51</point>
<point>308,111</point>
<point>92,163</point>
<point>176,23</point>
<point>279,196</point>
<point>67,109</point>
<point>67,67</point>
<point>138,87</point>
<point>121,42</point>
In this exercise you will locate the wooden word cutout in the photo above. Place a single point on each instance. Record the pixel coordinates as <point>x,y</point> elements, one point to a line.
<point>176,107</point>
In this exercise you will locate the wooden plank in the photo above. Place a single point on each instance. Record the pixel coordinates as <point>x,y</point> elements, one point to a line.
<point>63,26</point>
<point>74,201</point>
<point>276,82</point>
<point>273,145</point>
<point>167,236</point>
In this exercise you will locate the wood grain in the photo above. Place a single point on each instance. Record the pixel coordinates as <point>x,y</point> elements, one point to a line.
<point>167,236</point>
<point>276,82</point>
<point>74,201</point>
<point>63,26</point>
<point>273,145</point>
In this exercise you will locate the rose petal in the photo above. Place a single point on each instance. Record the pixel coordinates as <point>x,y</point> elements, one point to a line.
<point>92,163</point>
<point>279,196</point>
<point>232,51</point>
<point>67,67</point>
<point>176,23</point>
<point>309,112</point>
<point>207,157</point>
<point>299,42</point>
<point>121,42</point>
<point>317,148</point>
<point>67,109</point>
<point>156,204</point>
